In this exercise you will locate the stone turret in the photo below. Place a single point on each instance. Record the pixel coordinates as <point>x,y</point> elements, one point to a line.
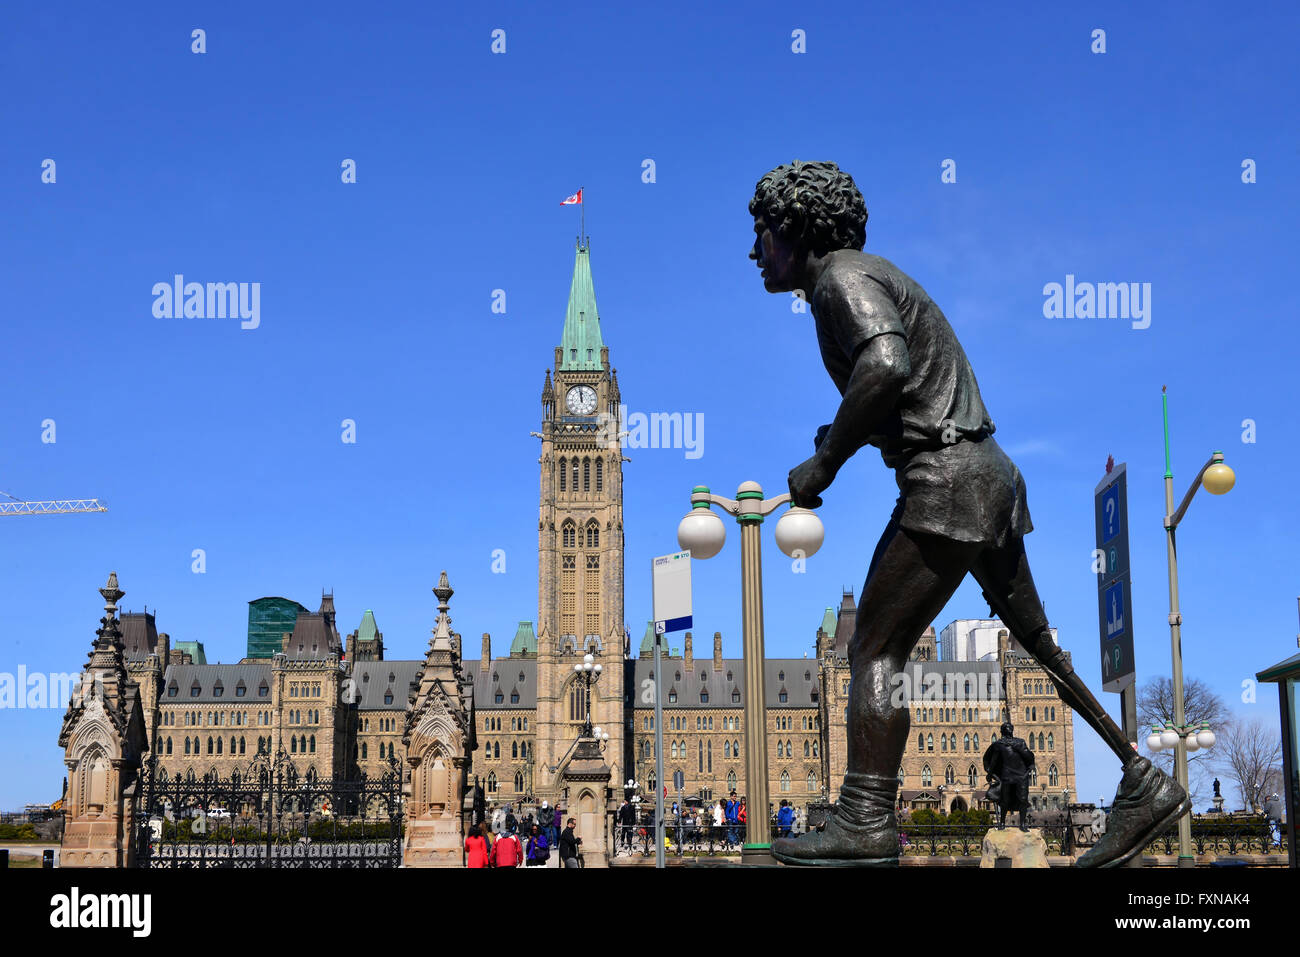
<point>438,738</point>
<point>104,738</point>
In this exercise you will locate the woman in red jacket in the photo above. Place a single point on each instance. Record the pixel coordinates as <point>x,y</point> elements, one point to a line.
<point>476,848</point>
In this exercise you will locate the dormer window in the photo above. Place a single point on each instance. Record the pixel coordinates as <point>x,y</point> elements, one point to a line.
<point>172,689</point>
<point>218,689</point>
<point>388,696</point>
<point>728,675</point>
<point>241,689</point>
<point>194,690</point>
<point>780,676</point>
<point>263,690</point>
<point>365,676</point>
<point>672,696</point>
<point>500,698</point>
<point>521,677</point>
<point>514,697</point>
<point>679,676</point>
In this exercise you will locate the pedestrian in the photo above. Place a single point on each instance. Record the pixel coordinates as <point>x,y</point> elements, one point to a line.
<point>539,849</point>
<point>476,847</point>
<point>741,818</point>
<point>498,820</point>
<point>506,852</point>
<point>569,845</point>
<point>784,819</point>
<point>732,809</point>
<point>511,823</point>
<point>627,821</point>
<point>546,818</point>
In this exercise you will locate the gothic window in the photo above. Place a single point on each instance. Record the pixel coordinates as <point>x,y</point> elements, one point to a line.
<point>785,781</point>
<point>575,475</point>
<point>949,776</point>
<point>672,749</point>
<point>780,750</point>
<point>926,777</point>
<point>514,749</point>
<point>577,702</point>
<point>929,742</point>
<point>812,781</point>
<point>731,780</point>
<point>965,742</point>
<point>169,745</point>
<point>726,749</point>
<point>569,535</point>
<point>975,741</point>
<point>586,475</point>
<point>920,742</point>
<point>807,749</point>
<point>593,536</point>
<point>1052,777</point>
<point>1051,741</point>
<point>496,750</point>
<point>519,782</point>
<point>364,751</point>
<point>710,752</point>
<point>1033,777</point>
<point>1040,741</point>
<point>701,750</point>
<point>952,741</point>
<point>293,744</point>
<point>492,782</point>
<point>600,475</point>
<point>816,749</point>
<point>735,748</point>
<point>943,742</point>
<point>564,475</point>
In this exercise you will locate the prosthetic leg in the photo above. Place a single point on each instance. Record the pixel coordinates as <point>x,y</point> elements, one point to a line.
<point>1147,800</point>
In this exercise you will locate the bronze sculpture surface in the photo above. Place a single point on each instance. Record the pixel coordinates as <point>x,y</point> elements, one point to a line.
<point>908,389</point>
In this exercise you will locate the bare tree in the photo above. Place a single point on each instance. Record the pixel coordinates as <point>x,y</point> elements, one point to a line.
<point>1155,706</point>
<point>1250,750</point>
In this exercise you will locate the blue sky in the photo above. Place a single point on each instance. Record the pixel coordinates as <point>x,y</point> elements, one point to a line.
<point>376,302</point>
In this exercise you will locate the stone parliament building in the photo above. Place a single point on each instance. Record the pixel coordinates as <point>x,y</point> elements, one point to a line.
<point>338,706</point>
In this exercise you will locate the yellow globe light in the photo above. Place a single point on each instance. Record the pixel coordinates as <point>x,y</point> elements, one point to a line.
<point>1218,478</point>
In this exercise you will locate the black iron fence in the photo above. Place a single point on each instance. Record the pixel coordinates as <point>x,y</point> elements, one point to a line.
<point>271,816</point>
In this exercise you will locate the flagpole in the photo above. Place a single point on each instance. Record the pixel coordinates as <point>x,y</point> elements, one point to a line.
<point>582,217</point>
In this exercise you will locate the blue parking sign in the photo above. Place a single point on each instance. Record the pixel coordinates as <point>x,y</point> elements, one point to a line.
<point>1115,610</point>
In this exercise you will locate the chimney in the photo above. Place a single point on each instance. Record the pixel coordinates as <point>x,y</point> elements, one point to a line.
<point>690,658</point>
<point>1004,645</point>
<point>717,651</point>
<point>486,659</point>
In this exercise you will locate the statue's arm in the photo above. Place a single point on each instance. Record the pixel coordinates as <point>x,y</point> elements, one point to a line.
<point>881,369</point>
<point>861,316</point>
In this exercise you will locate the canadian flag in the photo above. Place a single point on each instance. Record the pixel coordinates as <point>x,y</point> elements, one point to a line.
<point>574,200</point>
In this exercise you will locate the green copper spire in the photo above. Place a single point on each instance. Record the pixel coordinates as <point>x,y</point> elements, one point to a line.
<point>580,347</point>
<point>525,642</point>
<point>829,621</point>
<point>367,629</point>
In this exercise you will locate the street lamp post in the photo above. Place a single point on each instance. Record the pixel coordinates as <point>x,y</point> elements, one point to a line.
<point>1217,479</point>
<point>799,534</point>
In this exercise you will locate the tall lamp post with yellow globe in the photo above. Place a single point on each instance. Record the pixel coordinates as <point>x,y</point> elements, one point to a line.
<point>799,533</point>
<point>1218,479</point>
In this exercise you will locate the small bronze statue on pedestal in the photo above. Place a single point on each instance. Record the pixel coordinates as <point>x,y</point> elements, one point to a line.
<point>1007,763</point>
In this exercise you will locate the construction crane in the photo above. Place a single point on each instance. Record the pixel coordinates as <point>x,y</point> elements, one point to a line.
<point>20,507</point>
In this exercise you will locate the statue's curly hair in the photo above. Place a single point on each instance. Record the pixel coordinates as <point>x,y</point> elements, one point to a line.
<point>817,204</point>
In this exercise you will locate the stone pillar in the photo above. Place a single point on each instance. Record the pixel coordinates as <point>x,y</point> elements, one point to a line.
<point>587,778</point>
<point>439,736</point>
<point>103,737</point>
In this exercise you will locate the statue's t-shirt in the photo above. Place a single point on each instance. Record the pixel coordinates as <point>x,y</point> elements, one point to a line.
<point>953,477</point>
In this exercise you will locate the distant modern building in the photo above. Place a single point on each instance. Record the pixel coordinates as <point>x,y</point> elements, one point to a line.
<point>194,649</point>
<point>974,639</point>
<point>269,619</point>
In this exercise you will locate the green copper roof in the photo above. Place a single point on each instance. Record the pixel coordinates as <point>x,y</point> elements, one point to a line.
<point>829,621</point>
<point>581,341</point>
<point>648,642</point>
<point>525,642</point>
<point>195,650</point>
<point>368,629</point>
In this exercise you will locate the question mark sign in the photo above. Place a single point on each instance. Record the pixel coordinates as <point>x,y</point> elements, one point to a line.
<point>1110,512</point>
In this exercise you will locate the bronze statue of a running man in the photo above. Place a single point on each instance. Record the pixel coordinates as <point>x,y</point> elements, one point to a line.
<point>908,389</point>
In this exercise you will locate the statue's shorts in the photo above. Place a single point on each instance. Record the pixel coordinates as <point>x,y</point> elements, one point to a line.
<point>969,491</point>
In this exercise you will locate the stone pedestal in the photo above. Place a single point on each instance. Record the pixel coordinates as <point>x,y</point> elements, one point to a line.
<point>1021,848</point>
<point>587,778</point>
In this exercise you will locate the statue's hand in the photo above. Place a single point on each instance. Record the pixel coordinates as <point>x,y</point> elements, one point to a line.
<point>808,480</point>
<point>821,434</point>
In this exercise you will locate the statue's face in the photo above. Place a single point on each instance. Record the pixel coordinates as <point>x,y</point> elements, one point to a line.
<point>777,259</point>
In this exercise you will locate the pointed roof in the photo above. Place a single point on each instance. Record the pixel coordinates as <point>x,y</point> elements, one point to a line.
<point>525,642</point>
<point>367,630</point>
<point>828,621</point>
<point>581,342</point>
